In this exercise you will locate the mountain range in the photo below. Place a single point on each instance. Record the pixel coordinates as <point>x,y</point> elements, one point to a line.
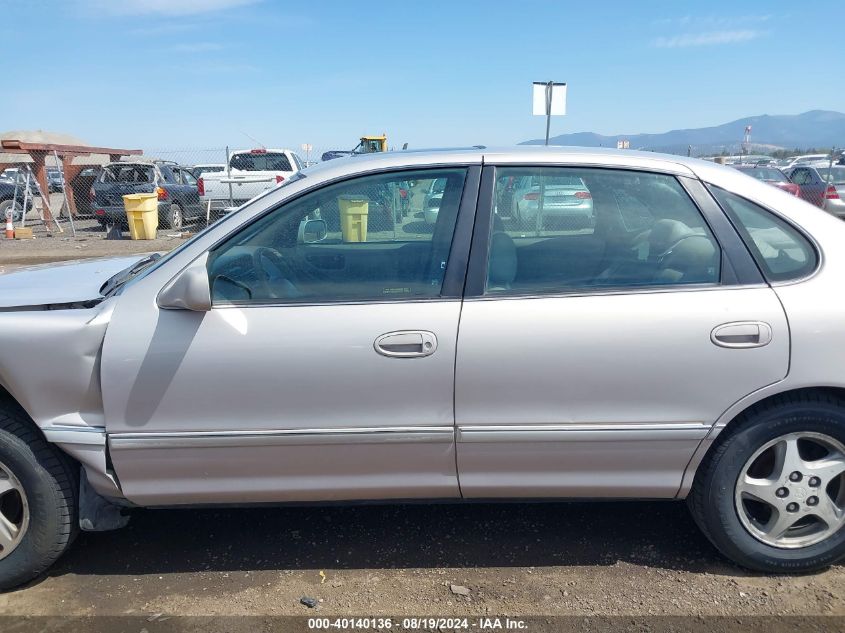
<point>817,128</point>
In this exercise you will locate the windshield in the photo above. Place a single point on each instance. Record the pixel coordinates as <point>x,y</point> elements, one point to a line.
<point>159,261</point>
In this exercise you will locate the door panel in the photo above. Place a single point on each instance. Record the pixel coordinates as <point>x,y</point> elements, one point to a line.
<point>601,395</point>
<point>597,349</point>
<point>280,404</point>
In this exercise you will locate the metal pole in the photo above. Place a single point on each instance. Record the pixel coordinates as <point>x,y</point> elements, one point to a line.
<point>229,178</point>
<point>548,109</point>
<point>60,167</point>
<point>15,197</point>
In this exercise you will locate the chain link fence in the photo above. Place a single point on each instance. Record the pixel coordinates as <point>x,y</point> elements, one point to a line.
<point>93,193</point>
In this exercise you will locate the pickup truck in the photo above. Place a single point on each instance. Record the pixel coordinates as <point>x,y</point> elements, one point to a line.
<point>250,173</point>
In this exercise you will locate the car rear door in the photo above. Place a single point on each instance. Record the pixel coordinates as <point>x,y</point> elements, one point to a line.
<point>324,369</point>
<point>593,357</point>
<point>812,189</point>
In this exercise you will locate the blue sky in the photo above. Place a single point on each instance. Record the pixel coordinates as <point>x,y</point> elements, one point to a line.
<point>197,74</point>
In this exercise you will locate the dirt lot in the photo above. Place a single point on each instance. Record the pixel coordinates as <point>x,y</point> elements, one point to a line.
<point>90,241</point>
<point>584,559</point>
<point>633,558</point>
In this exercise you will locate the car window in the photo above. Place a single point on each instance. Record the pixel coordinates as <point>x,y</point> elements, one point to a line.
<point>801,176</point>
<point>364,239</point>
<point>562,229</point>
<point>128,173</point>
<point>188,177</point>
<point>781,252</point>
<point>835,175</point>
<point>260,161</point>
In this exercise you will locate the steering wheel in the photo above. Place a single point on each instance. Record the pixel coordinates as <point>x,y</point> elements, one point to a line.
<point>274,274</point>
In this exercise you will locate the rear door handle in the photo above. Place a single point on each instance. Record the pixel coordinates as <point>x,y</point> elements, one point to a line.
<point>406,344</point>
<point>742,334</point>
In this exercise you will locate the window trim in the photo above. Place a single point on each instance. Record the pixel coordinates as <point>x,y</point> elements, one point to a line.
<point>743,235</point>
<point>479,252</point>
<point>454,276</point>
<point>742,264</point>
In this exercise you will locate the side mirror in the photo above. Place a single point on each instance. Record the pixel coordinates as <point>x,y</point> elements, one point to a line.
<point>189,290</point>
<point>311,231</point>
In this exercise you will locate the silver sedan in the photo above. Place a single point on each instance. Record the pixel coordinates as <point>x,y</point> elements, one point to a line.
<point>686,343</point>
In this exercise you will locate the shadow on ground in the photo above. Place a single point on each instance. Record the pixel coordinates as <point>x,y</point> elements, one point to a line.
<point>652,534</point>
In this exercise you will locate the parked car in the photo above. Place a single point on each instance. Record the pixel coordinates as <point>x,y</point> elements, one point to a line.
<point>178,196</point>
<point>684,346</point>
<point>8,201</point>
<point>83,189</point>
<point>251,172</point>
<point>432,200</point>
<point>817,190</point>
<point>207,168</point>
<point>562,198</point>
<point>55,180</point>
<point>789,163</point>
<point>770,175</point>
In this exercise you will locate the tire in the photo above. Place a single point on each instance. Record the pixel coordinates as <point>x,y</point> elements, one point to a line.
<point>722,510</point>
<point>7,204</point>
<point>49,481</point>
<point>175,218</point>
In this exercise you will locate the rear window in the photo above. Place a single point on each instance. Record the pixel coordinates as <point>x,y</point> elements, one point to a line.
<point>780,250</point>
<point>260,162</point>
<point>128,173</point>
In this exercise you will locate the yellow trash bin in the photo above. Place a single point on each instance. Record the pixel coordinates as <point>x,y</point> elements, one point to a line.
<point>142,215</point>
<point>353,217</point>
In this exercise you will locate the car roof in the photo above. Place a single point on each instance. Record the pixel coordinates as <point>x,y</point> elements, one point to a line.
<point>518,155</point>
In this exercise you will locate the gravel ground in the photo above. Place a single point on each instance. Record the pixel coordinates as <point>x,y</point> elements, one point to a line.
<point>586,559</point>
<point>90,241</point>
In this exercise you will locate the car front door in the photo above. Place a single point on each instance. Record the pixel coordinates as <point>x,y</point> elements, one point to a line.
<point>598,346</point>
<point>191,196</point>
<point>324,368</point>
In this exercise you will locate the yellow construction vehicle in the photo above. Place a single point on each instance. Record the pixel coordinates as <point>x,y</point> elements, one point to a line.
<point>371,144</point>
<point>367,145</point>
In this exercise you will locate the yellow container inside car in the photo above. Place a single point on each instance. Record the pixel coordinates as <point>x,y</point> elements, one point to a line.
<point>353,217</point>
<point>142,215</point>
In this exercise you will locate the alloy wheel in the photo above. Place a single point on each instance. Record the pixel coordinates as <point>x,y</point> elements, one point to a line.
<point>14,511</point>
<point>791,492</point>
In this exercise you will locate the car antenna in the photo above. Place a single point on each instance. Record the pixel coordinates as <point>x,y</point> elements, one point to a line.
<point>254,140</point>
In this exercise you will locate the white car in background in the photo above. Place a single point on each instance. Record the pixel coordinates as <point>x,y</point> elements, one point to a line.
<point>207,168</point>
<point>250,172</point>
<point>803,160</point>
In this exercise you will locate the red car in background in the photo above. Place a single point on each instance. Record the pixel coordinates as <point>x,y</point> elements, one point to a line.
<point>770,175</point>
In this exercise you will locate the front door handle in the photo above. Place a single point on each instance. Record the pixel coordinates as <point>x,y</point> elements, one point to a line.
<point>742,334</point>
<point>406,344</point>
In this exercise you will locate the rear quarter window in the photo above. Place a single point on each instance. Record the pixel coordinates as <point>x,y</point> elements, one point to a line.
<point>780,250</point>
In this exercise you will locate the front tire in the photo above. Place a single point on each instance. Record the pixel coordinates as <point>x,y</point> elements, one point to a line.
<point>38,500</point>
<point>771,495</point>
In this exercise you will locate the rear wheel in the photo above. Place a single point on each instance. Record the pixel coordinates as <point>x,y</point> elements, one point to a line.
<point>38,493</point>
<point>771,496</point>
<point>6,205</point>
<point>174,219</point>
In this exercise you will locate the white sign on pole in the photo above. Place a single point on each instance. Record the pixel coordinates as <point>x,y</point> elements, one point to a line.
<point>307,147</point>
<point>558,99</point>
